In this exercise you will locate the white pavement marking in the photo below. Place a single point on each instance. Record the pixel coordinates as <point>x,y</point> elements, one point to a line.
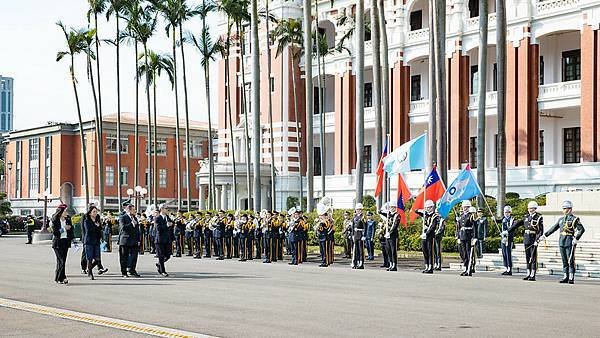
<point>98,320</point>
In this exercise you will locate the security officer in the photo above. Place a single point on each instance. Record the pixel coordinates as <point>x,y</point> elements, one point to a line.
<point>358,237</point>
<point>197,235</point>
<point>482,227</point>
<point>347,234</point>
<point>30,228</point>
<point>571,231</point>
<point>322,228</point>
<point>208,235</point>
<point>465,227</point>
<point>437,245</point>
<point>534,229</point>
<point>507,240</point>
<point>370,225</point>
<point>431,219</point>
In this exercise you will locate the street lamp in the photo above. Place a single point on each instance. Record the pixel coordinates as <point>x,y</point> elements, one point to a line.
<point>45,197</point>
<point>138,192</point>
<point>9,166</point>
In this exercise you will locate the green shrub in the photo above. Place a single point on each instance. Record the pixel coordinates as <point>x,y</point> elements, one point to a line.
<point>369,202</point>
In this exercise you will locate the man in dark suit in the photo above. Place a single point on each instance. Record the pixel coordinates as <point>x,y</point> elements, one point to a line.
<point>128,238</point>
<point>162,239</point>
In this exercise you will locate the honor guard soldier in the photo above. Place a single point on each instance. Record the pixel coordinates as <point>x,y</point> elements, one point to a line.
<point>507,240</point>
<point>347,234</point>
<point>189,234</point>
<point>358,237</point>
<point>534,229</point>
<point>380,234</point>
<point>431,219</point>
<point>391,235</point>
<point>481,233</point>
<point>437,245</point>
<point>369,235</point>
<point>571,231</point>
<point>292,233</point>
<point>208,235</point>
<point>465,224</point>
<point>197,236</point>
<point>322,228</point>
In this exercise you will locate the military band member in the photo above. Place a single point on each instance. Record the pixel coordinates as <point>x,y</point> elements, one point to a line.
<point>292,233</point>
<point>347,234</point>
<point>330,239</point>
<point>431,220</point>
<point>465,227</point>
<point>358,237</point>
<point>437,245</point>
<point>197,236</point>
<point>228,235</point>
<point>218,232</point>
<point>251,224</point>
<point>322,229</point>
<point>244,229</point>
<point>144,228</point>
<point>370,225</point>
<point>303,245</point>
<point>282,235</point>
<point>534,229</point>
<point>274,222</point>
<point>208,235</point>
<point>237,228</point>
<point>266,227</point>
<point>179,233</point>
<point>391,235</point>
<point>571,231</point>
<point>507,240</point>
<point>258,236</point>
<point>481,233</point>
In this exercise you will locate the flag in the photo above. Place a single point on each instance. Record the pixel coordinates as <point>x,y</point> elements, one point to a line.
<point>463,188</point>
<point>400,209</point>
<point>380,172</point>
<point>403,190</point>
<point>407,157</point>
<point>433,189</point>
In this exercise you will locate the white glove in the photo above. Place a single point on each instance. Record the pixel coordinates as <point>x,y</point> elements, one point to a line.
<point>504,233</point>
<point>363,238</point>
<point>423,236</point>
<point>458,240</point>
<point>542,237</point>
<point>574,242</point>
<point>536,243</point>
<point>473,241</point>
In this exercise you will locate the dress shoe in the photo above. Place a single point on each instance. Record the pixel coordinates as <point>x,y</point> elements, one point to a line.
<point>164,274</point>
<point>393,269</point>
<point>361,267</point>
<point>464,273</point>
<point>322,265</point>
<point>438,269</point>
<point>526,278</point>
<point>531,279</point>
<point>125,276</point>
<point>91,277</point>
<point>135,274</point>
<point>428,271</point>
<point>102,271</point>
<point>84,272</point>
<point>571,281</point>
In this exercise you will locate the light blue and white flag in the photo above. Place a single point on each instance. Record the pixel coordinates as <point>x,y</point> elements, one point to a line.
<point>463,188</point>
<point>407,157</point>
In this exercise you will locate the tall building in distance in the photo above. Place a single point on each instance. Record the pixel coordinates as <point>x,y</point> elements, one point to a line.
<point>6,103</point>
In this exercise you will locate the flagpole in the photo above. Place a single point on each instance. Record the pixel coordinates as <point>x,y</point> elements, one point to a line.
<point>486,203</point>
<point>425,184</point>
<point>387,176</point>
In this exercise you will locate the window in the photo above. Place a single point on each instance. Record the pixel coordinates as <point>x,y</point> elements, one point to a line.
<point>34,181</point>
<point>111,144</point>
<point>473,8</point>
<point>541,148</point>
<point>416,20</point>
<point>161,147</point>
<point>415,88</point>
<point>368,95</point>
<point>571,65</point>
<point>495,77</point>
<point>34,167</point>
<point>4,94</point>
<point>272,84</point>
<point>317,100</point>
<point>34,149</point>
<point>317,161</point>
<point>541,70</point>
<point>367,159</point>
<point>110,176</point>
<point>162,177</point>
<point>3,123</point>
<point>571,145</point>
<point>195,149</point>
<point>124,176</point>
<point>48,161</point>
<point>18,172</point>
<point>474,79</point>
<point>473,152</point>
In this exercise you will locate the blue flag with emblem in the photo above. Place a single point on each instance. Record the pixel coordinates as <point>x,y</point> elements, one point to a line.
<point>463,188</point>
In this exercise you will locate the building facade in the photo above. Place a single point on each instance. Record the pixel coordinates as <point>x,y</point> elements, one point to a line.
<point>6,104</point>
<point>47,160</point>
<point>553,96</point>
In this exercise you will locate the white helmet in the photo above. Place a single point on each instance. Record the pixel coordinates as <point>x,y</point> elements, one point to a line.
<point>291,211</point>
<point>472,210</point>
<point>507,208</point>
<point>466,203</point>
<point>532,205</point>
<point>429,203</point>
<point>567,205</point>
<point>358,206</point>
<point>322,209</point>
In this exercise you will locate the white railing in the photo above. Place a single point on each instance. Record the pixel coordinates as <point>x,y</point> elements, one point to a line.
<point>491,100</point>
<point>559,90</point>
<point>419,107</point>
<point>552,6</point>
<point>420,35</point>
<point>473,23</point>
<point>369,114</point>
<point>329,119</point>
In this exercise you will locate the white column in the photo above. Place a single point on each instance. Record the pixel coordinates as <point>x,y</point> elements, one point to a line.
<point>218,197</point>
<point>224,195</point>
<point>202,198</point>
<point>264,204</point>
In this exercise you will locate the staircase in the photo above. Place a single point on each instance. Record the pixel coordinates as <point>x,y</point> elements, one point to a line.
<point>587,260</point>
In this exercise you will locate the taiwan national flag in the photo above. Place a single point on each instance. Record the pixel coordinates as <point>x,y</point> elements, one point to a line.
<point>433,190</point>
<point>380,172</point>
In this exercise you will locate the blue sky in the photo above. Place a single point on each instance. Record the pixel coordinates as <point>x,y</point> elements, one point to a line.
<point>29,40</point>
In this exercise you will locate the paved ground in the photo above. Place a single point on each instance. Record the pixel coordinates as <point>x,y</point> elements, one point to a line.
<point>251,299</point>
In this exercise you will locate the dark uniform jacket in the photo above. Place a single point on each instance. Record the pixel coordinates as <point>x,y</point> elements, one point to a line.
<point>358,228</point>
<point>128,234</point>
<point>570,226</point>
<point>482,225</point>
<point>162,235</point>
<point>370,229</point>
<point>507,223</point>
<point>91,232</point>
<point>534,228</point>
<point>465,227</point>
<point>322,231</point>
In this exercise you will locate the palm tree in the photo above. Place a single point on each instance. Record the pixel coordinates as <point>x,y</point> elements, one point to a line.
<point>226,53</point>
<point>152,66</point>
<point>288,34</point>
<point>432,126</point>
<point>360,92</point>
<point>116,7</point>
<point>385,78</point>
<point>76,43</point>
<point>501,86</point>
<point>322,49</point>
<point>171,12</point>
<point>256,103</point>
<point>208,50</point>
<point>268,40</point>
<point>482,70</point>
<point>440,80</point>
<point>98,7</point>
<point>376,83</point>
<point>309,105</point>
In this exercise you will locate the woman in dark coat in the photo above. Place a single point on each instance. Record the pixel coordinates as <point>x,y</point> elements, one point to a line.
<point>91,239</point>
<point>62,231</point>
